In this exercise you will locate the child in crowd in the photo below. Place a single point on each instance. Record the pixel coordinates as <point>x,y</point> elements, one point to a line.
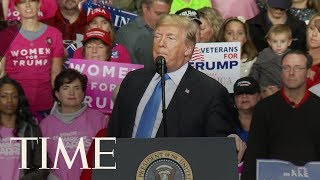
<point>101,18</point>
<point>236,30</point>
<point>267,69</point>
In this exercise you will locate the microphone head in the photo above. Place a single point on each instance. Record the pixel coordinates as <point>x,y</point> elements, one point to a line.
<point>160,64</point>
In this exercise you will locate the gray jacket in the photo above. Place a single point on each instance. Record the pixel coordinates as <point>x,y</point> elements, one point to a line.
<point>267,69</point>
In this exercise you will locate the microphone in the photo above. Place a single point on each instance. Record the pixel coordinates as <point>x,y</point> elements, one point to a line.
<point>161,67</point>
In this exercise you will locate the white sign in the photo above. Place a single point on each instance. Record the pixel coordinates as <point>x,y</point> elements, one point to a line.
<point>220,61</point>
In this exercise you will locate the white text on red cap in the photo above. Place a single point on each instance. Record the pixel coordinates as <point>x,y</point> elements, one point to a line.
<point>97,10</point>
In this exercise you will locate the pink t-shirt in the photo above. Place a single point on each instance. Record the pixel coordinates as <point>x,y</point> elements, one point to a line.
<point>119,54</point>
<point>48,9</point>
<point>86,125</point>
<point>9,155</point>
<point>29,62</point>
<point>234,8</point>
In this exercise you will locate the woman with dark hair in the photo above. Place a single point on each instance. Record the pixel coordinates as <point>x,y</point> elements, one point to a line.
<point>16,121</point>
<point>72,121</point>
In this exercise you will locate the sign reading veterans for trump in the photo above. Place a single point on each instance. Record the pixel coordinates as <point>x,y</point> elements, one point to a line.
<point>220,61</point>
<point>103,78</point>
<point>284,170</point>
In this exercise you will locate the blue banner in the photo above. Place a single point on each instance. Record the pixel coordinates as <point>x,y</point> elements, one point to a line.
<point>284,170</point>
<point>119,17</point>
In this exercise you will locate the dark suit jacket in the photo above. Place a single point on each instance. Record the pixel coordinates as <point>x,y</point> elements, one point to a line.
<point>199,107</point>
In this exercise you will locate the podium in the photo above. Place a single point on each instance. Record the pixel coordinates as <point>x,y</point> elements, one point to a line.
<point>204,158</point>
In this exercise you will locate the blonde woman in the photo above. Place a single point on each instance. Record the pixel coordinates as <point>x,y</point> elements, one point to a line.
<point>211,20</point>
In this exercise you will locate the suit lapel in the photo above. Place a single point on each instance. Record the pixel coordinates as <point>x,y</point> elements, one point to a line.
<point>139,87</point>
<point>175,109</point>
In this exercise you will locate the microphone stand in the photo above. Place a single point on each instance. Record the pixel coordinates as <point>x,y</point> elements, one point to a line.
<point>161,68</point>
<point>164,109</point>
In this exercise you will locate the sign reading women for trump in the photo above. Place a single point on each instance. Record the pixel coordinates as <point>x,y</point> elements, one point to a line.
<point>220,61</point>
<point>103,78</point>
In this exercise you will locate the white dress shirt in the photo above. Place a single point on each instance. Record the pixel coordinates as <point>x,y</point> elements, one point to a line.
<point>170,88</point>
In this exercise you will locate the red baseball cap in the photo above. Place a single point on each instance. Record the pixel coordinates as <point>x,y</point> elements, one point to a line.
<point>97,33</point>
<point>98,12</point>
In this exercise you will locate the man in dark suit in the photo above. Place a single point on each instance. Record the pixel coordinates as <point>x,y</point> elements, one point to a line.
<point>197,105</point>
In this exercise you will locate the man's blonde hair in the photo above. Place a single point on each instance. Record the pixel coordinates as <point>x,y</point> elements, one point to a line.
<point>187,24</point>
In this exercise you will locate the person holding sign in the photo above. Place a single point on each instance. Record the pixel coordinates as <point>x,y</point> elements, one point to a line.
<point>97,45</point>
<point>69,121</point>
<point>16,121</point>
<point>101,18</point>
<point>284,125</point>
<point>236,30</point>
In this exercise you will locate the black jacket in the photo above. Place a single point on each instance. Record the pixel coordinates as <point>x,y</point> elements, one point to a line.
<point>34,157</point>
<point>258,27</point>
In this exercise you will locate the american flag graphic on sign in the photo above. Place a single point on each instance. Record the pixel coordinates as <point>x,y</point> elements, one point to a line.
<point>197,55</point>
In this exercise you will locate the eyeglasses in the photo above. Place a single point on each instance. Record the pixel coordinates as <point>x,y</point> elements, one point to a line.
<point>295,68</point>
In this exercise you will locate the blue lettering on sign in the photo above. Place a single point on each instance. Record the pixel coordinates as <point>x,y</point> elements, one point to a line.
<point>219,49</point>
<point>214,65</point>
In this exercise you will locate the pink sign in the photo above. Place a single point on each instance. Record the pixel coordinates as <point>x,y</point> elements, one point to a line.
<point>103,78</point>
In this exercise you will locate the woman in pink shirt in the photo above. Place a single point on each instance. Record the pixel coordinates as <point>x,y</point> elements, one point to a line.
<point>16,121</point>
<point>71,122</point>
<point>34,57</point>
